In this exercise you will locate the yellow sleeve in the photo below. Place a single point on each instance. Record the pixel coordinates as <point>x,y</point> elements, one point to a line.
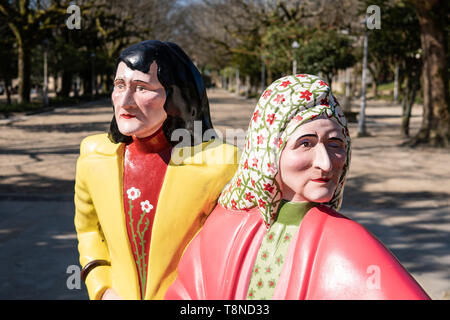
<point>91,242</point>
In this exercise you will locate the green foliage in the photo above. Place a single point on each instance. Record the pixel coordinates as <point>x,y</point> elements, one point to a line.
<point>268,39</point>
<point>398,40</point>
<point>326,51</point>
<point>277,44</point>
<point>320,50</point>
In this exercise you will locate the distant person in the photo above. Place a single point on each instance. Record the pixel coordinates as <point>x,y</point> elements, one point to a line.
<point>139,196</point>
<point>275,233</point>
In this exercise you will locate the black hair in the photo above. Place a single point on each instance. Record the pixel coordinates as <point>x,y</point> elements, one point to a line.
<point>186,99</point>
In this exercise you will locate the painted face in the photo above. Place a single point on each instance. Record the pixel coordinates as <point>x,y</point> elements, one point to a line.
<point>138,100</point>
<point>312,162</point>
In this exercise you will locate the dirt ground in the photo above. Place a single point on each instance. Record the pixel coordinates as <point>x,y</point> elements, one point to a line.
<point>400,194</point>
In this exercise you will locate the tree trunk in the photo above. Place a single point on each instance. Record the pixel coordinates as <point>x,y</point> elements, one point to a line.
<point>374,89</point>
<point>269,72</point>
<point>409,95</point>
<point>6,82</point>
<point>87,83</point>
<point>66,85</point>
<point>24,72</point>
<point>435,129</point>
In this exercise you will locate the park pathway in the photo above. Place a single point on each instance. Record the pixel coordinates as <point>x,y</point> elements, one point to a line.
<point>400,194</point>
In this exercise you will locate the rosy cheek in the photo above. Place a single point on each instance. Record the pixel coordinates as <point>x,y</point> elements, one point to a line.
<point>339,161</point>
<point>115,97</point>
<point>298,161</point>
<point>145,99</point>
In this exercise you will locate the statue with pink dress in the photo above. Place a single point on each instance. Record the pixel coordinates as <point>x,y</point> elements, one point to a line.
<point>276,232</point>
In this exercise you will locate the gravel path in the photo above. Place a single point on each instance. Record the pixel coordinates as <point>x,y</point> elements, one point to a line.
<point>400,194</point>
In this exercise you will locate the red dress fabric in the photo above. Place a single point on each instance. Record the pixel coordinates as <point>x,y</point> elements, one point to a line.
<point>331,257</point>
<point>145,165</point>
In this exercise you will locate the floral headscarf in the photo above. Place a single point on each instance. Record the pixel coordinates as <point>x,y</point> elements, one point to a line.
<point>285,105</point>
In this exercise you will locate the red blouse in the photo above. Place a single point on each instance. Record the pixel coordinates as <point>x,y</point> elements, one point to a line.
<point>145,165</point>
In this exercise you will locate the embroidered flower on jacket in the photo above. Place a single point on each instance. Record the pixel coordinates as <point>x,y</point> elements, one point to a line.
<point>146,206</point>
<point>133,193</point>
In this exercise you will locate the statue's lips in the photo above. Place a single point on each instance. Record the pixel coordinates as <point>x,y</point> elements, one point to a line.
<point>127,116</point>
<point>321,180</point>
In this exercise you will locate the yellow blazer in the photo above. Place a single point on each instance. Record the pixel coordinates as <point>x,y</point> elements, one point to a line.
<point>194,179</point>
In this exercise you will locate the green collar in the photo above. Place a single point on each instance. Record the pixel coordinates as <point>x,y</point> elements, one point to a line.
<point>292,213</point>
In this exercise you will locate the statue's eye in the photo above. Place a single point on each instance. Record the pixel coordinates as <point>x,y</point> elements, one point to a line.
<point>119,86</point>
<point>141,88</point>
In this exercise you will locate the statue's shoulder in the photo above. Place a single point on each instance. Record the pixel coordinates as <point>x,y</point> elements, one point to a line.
<point>211,153</point>
<point>98,144</point>
<point>222,153</point>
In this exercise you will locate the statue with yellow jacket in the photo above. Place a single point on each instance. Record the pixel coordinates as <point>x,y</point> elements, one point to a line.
<point>144,189</point>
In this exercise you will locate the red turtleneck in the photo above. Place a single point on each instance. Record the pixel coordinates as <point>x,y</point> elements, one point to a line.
<point>145,165</point>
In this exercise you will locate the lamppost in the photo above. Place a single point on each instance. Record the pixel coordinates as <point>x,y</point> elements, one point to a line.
<point>238,83</point>
<point>295,45</point>
<point>93,82</point>
<point>45,89</point>
<point>362,112</point>
<point>263,74</point>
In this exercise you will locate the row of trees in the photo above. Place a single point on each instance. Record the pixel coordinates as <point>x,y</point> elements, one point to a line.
<point>28,28</point>
<point>412,43</point>
<point>254,36</point>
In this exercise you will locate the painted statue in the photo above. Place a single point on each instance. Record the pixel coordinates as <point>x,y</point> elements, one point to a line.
<point>275,233</point>
<point>143,190</point>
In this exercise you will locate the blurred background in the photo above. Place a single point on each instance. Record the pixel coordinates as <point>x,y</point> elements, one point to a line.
<point>51,51</point>
<point>387,61</point>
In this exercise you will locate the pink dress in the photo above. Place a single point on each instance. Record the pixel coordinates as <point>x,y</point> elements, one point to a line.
<point>330,257</point>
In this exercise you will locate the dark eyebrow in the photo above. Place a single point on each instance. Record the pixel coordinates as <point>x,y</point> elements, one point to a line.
<point>140,81</point>
<point>307,135</point>
<point>134,81</point>
<point>312,135</point>
<point>336,138</point>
